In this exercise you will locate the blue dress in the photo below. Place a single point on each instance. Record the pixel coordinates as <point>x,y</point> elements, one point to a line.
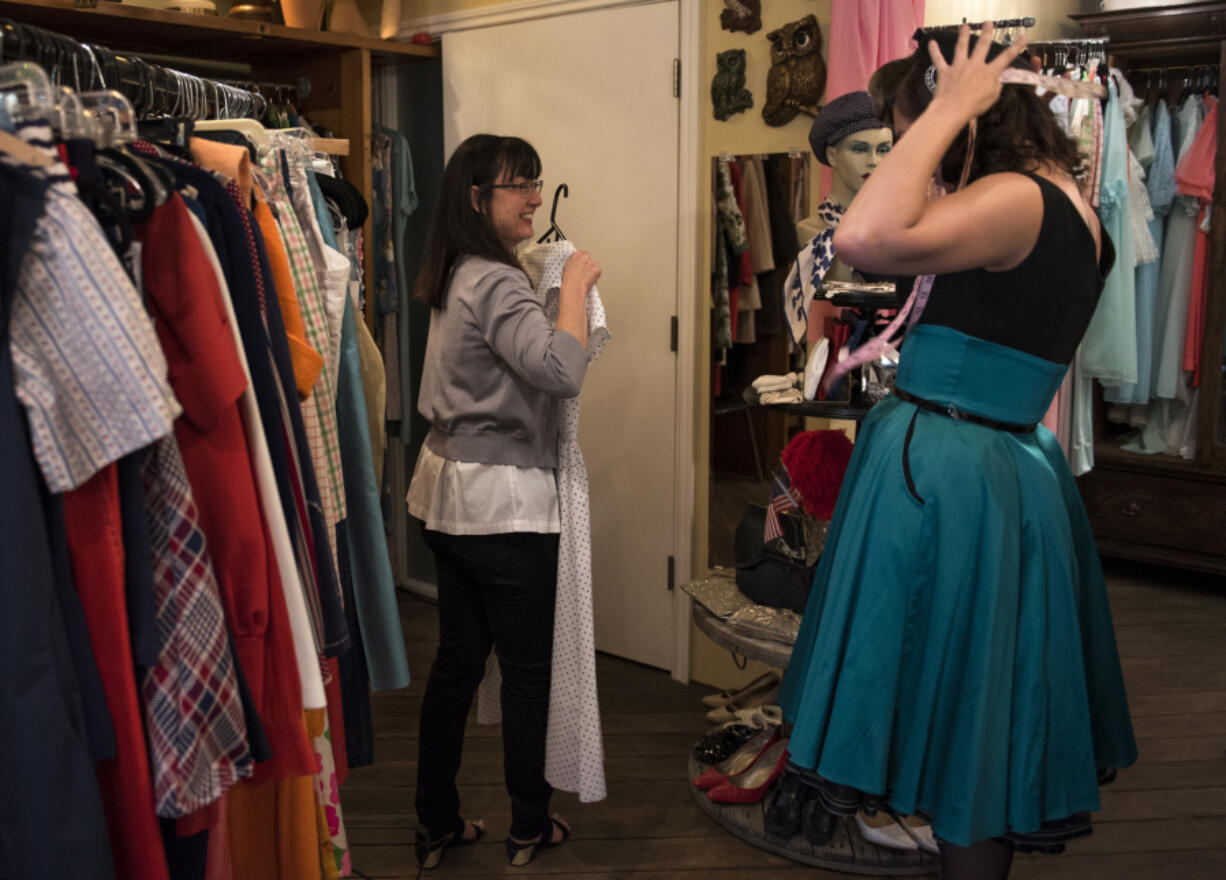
<point>956,657</point>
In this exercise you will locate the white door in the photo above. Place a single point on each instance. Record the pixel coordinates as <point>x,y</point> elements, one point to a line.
<point>592,92</point>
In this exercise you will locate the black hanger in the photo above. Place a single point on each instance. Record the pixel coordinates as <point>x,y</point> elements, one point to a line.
<point>140,173</point>
<point>555,232</point>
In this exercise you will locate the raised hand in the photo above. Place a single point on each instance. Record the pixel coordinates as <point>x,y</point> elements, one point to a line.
<point>971,83</point>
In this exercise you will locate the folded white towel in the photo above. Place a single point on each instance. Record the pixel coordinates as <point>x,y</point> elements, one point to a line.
<point>791,395</point>
<point>775,383</point>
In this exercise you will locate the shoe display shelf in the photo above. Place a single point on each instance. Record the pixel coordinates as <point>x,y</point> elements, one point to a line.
<point>847,851</point>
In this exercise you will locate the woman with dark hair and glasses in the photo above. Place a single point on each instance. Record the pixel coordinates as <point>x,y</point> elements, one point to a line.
<point>495,372</point>
<point>957,659</point>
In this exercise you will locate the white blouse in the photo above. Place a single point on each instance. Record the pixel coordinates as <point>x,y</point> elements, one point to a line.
<point>472,498</point>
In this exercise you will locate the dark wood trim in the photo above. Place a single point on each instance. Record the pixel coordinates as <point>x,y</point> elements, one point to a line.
<point>1161,556</point>
<point>136,29</point>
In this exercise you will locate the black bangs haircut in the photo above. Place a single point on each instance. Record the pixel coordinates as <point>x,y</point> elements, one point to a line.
<point>1019,132</point>
<point>456,230</point>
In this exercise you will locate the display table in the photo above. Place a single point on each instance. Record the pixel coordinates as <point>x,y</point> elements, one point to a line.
<point>847,850</point>
<point>769,652</point>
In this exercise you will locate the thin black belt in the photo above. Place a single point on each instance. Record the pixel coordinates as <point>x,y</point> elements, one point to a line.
<point>950,411</point>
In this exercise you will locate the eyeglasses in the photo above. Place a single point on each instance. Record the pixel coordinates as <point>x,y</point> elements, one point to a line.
<point>525,189</point>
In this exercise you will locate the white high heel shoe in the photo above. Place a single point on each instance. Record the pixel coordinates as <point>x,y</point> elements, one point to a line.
<point>766,694</point>
<point>883,830</point>
<point>723,698</point>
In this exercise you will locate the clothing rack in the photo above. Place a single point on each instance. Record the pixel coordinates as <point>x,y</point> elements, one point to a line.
<point>1066,49</point>
<point>153,89</point>
<point>793,153</point>
<point>1027,22</point>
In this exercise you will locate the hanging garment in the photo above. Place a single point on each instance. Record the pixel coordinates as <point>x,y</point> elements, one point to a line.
<point>54,824</point>
<point>757,215</point>
<point>194,717</point>
<point>809,270</point>
<point>254,301</point>
<point>232,513</point>
<point>92,522</point>
<point>319,411</point>
<point>1141,136</point>
<point>574,748</point>
<point>1175,282</point>
<point>373,586</point>
<point>1160,187</point>
<point>956,655</point>
<point>749,299</point>
<point>88,367</point>
<point>295,603</point>
<point>1195,177</point>
<point>731,243</point>
<point>1108,352</point>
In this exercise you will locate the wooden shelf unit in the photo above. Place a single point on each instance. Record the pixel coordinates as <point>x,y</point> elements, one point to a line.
<point>337,65</point>
<point>1161,508</point>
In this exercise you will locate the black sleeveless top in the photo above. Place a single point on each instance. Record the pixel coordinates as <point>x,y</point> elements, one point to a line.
<point>1043,305</point>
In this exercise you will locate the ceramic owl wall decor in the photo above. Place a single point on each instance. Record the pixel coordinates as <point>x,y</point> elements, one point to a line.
<point>728,92</point>
<point>797,77</point>
<point>741,15</point>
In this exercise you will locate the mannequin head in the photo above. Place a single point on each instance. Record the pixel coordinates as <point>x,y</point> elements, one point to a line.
<point>848,136</point>
<point>854,158</point>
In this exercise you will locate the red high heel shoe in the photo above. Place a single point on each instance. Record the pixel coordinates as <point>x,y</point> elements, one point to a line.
<point>750,787</point>
<point>739,761</point>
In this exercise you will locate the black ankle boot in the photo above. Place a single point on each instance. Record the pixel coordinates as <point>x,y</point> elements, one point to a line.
<point>816,822</point>
<point>783,810</point>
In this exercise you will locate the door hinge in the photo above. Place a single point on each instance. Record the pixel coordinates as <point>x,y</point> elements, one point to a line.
<point>672,333</point>
<point>672,572</point>
<point>676,77</point>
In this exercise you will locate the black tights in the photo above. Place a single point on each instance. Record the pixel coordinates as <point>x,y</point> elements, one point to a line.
<point>986,860</point>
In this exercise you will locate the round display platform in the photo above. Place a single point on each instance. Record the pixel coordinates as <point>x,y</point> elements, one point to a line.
<point>771,653</point>
<point>847,850</point>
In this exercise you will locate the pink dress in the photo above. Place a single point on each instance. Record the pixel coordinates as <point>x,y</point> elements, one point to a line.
<point>1194,176</point>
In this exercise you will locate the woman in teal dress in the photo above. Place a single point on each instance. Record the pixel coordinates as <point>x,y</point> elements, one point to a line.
<point>957,658</point>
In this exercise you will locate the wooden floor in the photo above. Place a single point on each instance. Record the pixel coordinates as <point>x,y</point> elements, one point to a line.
<point>1164,819</point>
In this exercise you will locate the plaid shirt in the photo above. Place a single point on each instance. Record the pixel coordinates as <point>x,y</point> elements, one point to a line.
<point>197,732</point>
<point>318,411</point>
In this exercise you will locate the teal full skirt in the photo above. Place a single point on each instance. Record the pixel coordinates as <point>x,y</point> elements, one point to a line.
<point>956,655</point>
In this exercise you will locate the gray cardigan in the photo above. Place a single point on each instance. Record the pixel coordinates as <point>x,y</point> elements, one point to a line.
<point>495,369</point>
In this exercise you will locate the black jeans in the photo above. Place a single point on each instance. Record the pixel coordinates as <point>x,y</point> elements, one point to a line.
<point>493,591</point>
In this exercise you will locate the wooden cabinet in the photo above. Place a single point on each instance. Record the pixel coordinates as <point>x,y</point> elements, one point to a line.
<point>1162,508</point>
<point>338,66</point>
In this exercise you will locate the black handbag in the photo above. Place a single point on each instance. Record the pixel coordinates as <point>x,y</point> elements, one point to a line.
<point>772,574</point>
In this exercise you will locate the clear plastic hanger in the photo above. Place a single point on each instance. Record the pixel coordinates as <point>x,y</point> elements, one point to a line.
<point>115,113</point>
<point>26,91</point>
<point>71,119</point>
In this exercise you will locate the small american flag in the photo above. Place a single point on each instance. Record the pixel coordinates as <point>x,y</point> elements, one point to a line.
<point>783,499</point>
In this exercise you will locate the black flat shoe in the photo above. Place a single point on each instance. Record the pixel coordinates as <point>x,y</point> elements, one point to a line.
<point>430,852</point>
<point>520,854</point>
<point>783,809</point>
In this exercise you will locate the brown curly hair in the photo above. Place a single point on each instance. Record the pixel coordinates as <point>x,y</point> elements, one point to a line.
<point>1018,132</point>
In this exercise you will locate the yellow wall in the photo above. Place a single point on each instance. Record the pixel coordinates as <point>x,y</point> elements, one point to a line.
<point>740,134</point>
<point>413,9</point>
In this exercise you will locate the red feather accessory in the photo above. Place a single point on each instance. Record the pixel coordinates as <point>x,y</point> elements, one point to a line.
<point>816,462</point>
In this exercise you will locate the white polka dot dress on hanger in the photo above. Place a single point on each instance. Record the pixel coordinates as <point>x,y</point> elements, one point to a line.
<point>574,746</point>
